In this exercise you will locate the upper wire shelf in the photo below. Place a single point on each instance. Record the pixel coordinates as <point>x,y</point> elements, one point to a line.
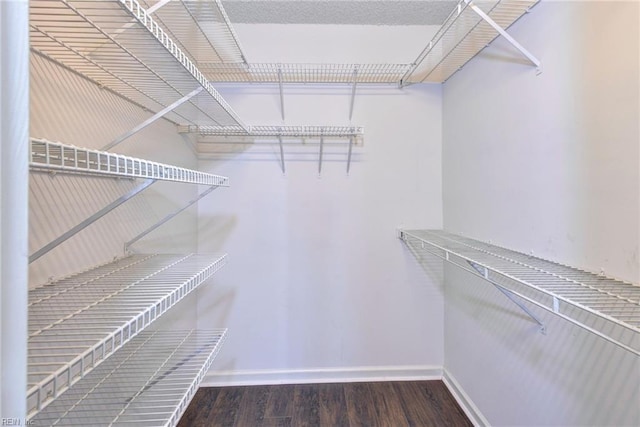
<point>117,44</point>
<point>606,307</point>
<point>55,156</point>
<point>77,322</point>
<point>201,28</point>
<point>304,73</point>
<point>462,36</point>
<point>276,131</point>
<point>148,382</point>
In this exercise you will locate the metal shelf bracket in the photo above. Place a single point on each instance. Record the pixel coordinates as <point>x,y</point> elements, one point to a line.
<point>349,154</point>
<point>320,154</point>
<point>484,273</point>
<point>281,92</point>
<point>87,222</point>
<point>164,220</point>
<point>281,153</point>
<point>353,92</point>
<point>152,119</point>
<point>157,6</point>
<point>534,61</point>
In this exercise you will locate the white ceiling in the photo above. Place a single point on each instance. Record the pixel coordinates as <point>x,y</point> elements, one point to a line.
<point>353,12</point>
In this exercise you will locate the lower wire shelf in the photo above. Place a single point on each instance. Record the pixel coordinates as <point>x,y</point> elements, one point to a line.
<point>77,322</point>
<point>606,307</point>
<point>148,382</point>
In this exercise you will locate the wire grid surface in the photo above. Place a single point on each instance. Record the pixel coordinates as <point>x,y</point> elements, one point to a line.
<point>201,28</point>
<point>77,322</point>
<point>613,300</point>
<point>285,131</point>
<point>148,382</point>
<point>462,36</point>
<point>117,45</point>
<point>304,73</point>
<point>47,155</point>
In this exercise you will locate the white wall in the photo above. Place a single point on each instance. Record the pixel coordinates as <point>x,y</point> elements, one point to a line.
<point>333,44</point>
<point>318,287</point>
<point>72,110</point>
<point>547,164</point>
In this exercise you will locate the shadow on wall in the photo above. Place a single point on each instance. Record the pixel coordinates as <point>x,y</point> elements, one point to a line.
<point>268,150</point>
<point>215,230</point>
<point>59,202</point>
<point>430,264</point>
<point>509,55</point>
<point>220,302</point>
<point>567,376</point>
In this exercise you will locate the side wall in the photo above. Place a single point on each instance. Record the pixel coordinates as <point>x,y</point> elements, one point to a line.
<point>545,164</point>
<point>318,286</point>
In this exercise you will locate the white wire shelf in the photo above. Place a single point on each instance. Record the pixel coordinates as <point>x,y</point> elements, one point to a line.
<point>148,382</point>
<point>77,322</point>
<point>304,73</point>
<point>462,36</point>
<point>201,28</point>
<point>116,44</point>
<point>606,307</point>
<point>275,131</point>
<point>55,156</point>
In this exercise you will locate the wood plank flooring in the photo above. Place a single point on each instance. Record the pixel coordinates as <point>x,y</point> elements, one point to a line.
<point>383,404</point>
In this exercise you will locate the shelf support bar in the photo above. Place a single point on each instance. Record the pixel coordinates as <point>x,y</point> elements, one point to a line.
<point>353,92</point>
<point>484,272</point>
<point>152,119</point>
<point>157,6</point>
<point>87,222</point>
<point>281,92</point>
<point>281,153</point>
<point>349,154</point>
<point>320,156</point>
<point>128,25</point>
<point>168,217</point>
<point>504,34</point>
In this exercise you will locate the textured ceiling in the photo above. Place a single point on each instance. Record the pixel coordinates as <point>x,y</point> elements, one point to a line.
<point>354,12</point>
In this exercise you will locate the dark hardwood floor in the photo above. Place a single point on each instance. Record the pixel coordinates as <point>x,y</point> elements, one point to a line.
<point>383,404</point>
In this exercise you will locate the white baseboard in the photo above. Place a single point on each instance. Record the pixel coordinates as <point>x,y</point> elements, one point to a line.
<point>465,402</point>
<point>322,375</point>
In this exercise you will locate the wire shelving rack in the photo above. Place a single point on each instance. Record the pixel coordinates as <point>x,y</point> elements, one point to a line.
<point>148,382</point>
<point>304,73</point>
<point>118,45</point>
<point>461,37</point>
<point>201,28</point>
<point>277,131</point>
<point>77,322</point>
<point>58,157</point>
<point>606,307</point>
